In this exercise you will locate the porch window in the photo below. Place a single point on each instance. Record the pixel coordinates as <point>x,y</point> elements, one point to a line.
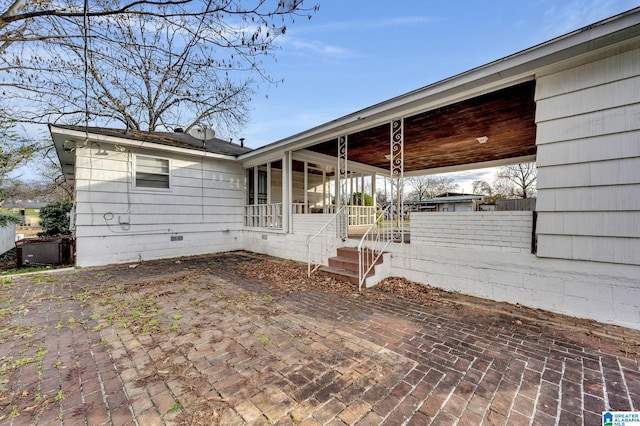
<point>264,200</point>
<point>152,172</point>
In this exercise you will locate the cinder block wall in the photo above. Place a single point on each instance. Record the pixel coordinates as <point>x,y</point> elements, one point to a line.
<point>494,231</point>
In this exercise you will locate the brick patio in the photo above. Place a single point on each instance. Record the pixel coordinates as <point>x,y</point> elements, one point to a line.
<point>196,341</point>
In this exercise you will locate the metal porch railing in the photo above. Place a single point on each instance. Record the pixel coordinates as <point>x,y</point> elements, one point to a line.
<point>328,238</point>
<point>373,244</point>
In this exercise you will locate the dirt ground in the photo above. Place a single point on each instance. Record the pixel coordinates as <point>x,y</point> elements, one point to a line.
<point>237,338</point>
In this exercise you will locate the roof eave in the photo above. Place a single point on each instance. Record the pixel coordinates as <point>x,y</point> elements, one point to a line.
<point>98,138</point>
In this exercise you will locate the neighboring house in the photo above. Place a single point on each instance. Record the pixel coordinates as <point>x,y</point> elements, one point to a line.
<point>453,202</point>
<point>27,211</point>
<point>570,104</point>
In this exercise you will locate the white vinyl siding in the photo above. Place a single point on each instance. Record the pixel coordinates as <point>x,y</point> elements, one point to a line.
<point>588,161</point>
<point>152,172</point>
<point>117,222</point>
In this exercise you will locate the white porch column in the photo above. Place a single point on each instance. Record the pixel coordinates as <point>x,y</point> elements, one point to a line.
<point>287,192</point>
<point>269,183</point>
<point>374,197</point>
<point>324,190</point>
<point>305,208</point>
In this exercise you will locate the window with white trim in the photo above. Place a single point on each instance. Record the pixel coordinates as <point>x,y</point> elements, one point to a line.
<point>152,172</point>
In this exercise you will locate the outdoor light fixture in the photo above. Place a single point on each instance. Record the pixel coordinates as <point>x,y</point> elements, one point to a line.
<point>482,139</point>
<point>101,151</point>
<point>70,145</point>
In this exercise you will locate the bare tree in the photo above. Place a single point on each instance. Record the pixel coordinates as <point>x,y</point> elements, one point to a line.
<point>143,63</point>
<point>481,187</point>
<point>426,187</point>
<point>517,180</point>
<point>15,150</point>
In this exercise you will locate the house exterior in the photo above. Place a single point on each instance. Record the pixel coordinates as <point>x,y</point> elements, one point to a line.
<point>27,211</point>
<point>571,104</point>
<point>147,196</point>
<point>450,202</point>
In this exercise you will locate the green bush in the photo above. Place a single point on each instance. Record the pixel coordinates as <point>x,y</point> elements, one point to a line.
<point>6,219</point>
<point>356,199</point>
<point>54,218</point>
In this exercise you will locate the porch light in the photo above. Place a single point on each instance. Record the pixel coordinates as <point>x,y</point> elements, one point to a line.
<point>101,151</point>
<point>482,139</point>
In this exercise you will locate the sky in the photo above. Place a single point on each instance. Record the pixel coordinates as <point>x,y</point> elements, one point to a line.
<point>355,53</point>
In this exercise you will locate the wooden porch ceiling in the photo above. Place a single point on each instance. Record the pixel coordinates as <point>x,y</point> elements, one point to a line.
<point>446,136</point>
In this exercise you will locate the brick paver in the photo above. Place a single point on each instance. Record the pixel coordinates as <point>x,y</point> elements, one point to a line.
<point>195,342</point>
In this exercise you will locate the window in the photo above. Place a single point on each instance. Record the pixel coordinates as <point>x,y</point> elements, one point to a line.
<point>152,172</point>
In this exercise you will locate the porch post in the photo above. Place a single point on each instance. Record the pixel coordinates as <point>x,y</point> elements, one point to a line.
<point>305,208</point>
<point>374,197</point>
<point>341,185</point>
<point>287,225</point>
<point>397,170</point>
<point>256,208</point>
<point>324,189</point>
<point>269,183</point>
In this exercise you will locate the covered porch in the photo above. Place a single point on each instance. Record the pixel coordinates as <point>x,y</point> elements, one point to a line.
<point>343,174</point>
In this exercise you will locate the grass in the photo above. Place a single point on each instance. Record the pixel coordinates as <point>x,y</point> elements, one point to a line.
<point>14,413</point>
<point>24,270</point>
<point>263,339</point>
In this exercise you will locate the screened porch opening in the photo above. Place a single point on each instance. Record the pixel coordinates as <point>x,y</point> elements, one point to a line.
<point>313,188</point>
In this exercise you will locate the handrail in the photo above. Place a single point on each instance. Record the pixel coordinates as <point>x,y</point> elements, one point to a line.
<point>377,244</point>
<point>343,236</point>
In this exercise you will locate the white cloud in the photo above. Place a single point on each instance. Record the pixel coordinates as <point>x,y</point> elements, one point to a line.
<point>569,16</point>
<point>317,47</point>
<point>299,39</point>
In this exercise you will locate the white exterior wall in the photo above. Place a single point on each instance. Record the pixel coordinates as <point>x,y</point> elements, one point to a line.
<point>7,237</point>
<point>117,223</point>
<point>603,292</point>
<point>588,159</point>
<point>286,245</point>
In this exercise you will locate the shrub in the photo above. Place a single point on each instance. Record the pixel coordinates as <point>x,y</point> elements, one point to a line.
<point>6,219</point>
<point>54,218</point>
